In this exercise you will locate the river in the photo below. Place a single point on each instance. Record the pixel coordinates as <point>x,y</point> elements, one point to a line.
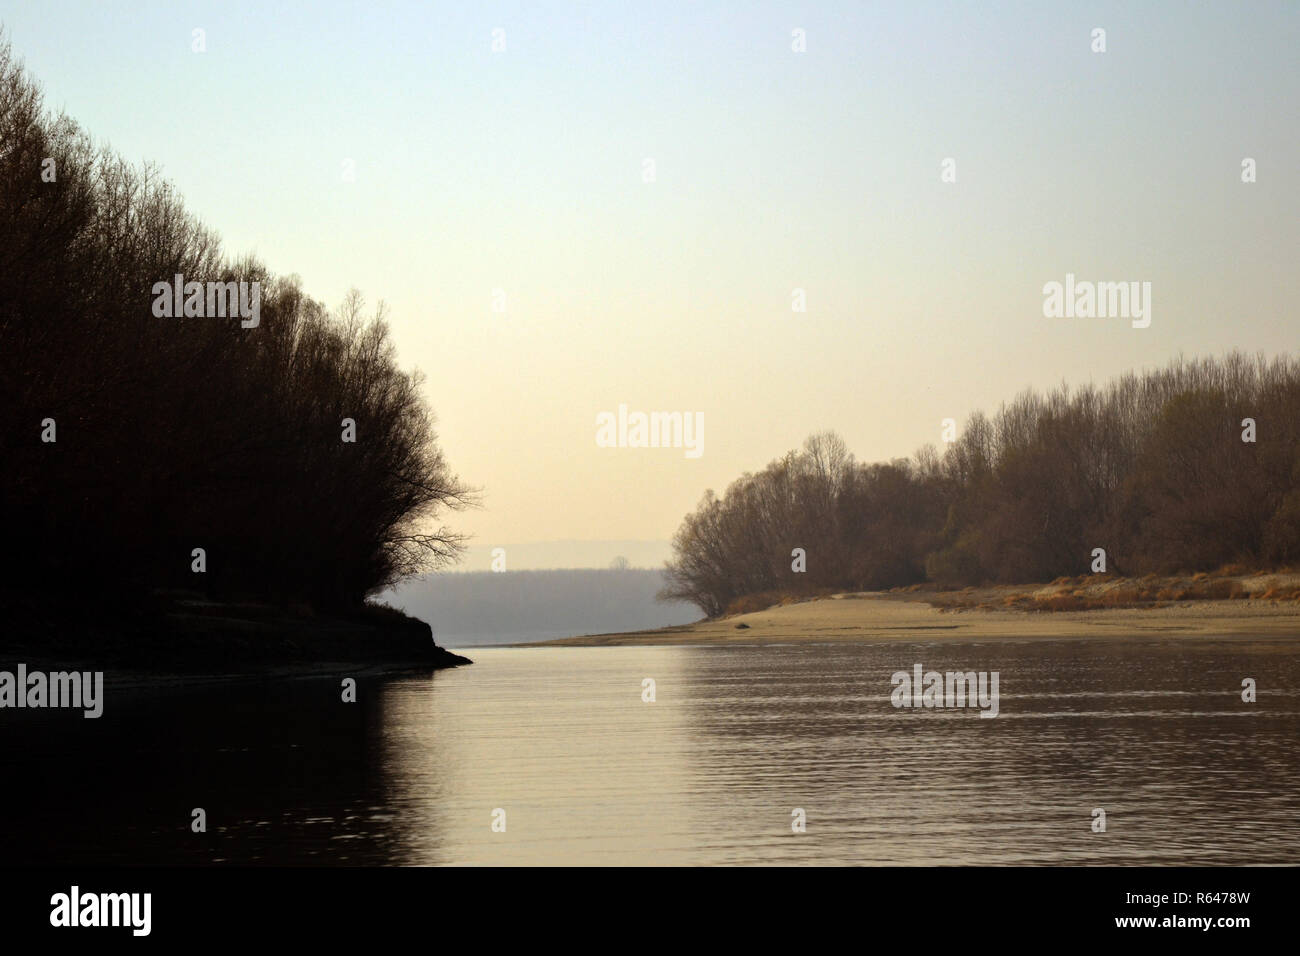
<point>558,747</point>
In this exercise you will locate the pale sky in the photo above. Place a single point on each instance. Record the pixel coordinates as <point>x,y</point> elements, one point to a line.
<point>522,171</point>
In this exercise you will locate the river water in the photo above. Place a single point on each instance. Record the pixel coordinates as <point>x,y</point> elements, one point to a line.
<point>560,746</point>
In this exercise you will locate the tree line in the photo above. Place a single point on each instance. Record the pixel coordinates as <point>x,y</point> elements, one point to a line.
<point>130,440</point>
<point>1184,468</point>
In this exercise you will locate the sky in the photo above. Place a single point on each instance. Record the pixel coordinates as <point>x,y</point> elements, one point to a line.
<point>500,203</point>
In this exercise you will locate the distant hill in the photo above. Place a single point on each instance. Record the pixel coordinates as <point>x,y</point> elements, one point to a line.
<point>483,607</point>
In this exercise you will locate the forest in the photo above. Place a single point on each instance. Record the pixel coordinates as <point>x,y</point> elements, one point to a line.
<point>1185,468</point>
<point>288,458</point>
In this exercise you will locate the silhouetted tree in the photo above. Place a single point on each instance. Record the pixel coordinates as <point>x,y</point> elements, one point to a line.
<point>183,433</point>
<point>1153,468</point>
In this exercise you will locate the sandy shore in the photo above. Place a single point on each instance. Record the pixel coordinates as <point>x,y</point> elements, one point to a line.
<point>883,616</point>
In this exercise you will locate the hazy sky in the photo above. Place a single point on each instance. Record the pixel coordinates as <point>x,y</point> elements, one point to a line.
<point>522,171</point>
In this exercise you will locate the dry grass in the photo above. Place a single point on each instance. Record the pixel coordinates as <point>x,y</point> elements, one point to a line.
<point>1218,590</point>
<point>749,603</point>
<point>1093,592</point>
<point>1231,571</point>
<point>1089,592</point>
<point>1122,597</point>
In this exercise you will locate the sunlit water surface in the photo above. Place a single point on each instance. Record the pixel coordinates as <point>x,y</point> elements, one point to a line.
<point>1152,731</point>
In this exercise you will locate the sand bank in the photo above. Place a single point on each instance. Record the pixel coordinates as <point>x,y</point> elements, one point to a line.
<point>883,616</point>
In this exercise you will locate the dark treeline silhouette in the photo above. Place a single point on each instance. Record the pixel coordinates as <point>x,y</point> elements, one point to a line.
<point>1153,468</point>
<point>182,433</point>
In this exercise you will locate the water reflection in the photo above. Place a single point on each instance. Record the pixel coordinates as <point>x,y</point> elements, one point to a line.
<point>1154,732</point>
<point>284,772</point>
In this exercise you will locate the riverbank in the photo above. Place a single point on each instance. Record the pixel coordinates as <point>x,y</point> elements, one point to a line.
<point>188,637</point>
<point>1251,609</point>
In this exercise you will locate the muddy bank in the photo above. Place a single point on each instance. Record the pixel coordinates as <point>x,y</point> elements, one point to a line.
<point>183,636</point>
